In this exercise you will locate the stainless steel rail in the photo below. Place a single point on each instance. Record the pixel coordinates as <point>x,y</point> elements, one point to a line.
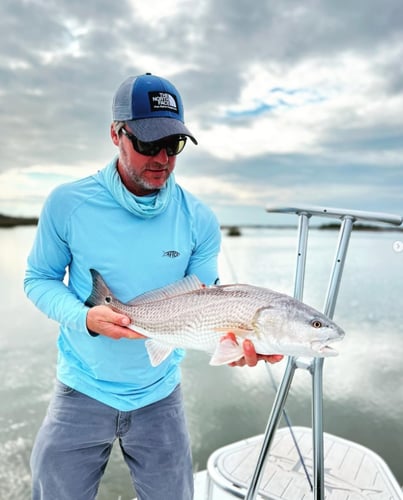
<point>314,366</point>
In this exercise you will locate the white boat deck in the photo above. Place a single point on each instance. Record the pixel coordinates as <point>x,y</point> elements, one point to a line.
<point>352,472</point>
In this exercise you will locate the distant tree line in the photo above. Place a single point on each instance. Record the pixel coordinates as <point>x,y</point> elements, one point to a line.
<point>10,221</point>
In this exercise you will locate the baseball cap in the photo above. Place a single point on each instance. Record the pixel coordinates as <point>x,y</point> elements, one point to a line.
<point>151,106</point>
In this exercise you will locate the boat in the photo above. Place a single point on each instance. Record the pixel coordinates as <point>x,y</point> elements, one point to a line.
<point>352,471</point>
<point>301,463</point>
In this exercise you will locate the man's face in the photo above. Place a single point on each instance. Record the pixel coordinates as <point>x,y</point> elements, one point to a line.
<point>141,174</point>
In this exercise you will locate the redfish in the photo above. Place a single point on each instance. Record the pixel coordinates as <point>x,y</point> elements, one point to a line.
<point>190,315</point>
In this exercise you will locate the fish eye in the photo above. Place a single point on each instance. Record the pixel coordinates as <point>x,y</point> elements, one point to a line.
<point>316,323</point>
<point>108,299</point>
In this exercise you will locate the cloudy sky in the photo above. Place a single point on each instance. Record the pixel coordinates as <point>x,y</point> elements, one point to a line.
<point>291,101</point>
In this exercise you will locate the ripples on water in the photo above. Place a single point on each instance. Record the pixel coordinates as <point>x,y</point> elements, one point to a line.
<point>363,386</point>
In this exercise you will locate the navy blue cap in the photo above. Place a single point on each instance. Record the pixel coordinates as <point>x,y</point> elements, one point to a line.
<point>151,106</point>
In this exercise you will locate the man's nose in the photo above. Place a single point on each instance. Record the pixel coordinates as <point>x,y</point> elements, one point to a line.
<point>162,156</point>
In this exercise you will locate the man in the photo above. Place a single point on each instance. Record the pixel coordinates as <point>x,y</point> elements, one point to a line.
<point>140,230</point>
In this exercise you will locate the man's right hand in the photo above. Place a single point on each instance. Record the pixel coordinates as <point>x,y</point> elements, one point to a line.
<point>104,321</point>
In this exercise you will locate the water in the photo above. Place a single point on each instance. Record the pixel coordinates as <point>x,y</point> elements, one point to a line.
<point>363,386</point>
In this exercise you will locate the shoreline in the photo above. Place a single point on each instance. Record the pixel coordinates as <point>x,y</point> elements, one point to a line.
<point>10,221</point>
<point>7,221</point>
<point>322,227</point>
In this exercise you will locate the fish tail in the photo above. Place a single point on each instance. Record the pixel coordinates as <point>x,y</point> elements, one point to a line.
<point>100,291</point>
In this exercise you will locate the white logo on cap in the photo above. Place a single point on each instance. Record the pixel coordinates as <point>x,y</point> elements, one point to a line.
<point>163,101</point>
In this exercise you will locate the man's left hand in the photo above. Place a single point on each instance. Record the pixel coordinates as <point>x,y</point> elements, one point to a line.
<point>251,358</point>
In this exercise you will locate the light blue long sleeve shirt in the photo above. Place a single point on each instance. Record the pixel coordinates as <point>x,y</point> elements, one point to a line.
<point>83,226</point>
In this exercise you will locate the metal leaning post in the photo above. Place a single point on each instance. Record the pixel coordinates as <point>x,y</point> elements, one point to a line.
<point>315,366</point>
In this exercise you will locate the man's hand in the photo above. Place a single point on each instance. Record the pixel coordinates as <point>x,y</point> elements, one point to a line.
<point>105,321</point>
<point>251,358</point>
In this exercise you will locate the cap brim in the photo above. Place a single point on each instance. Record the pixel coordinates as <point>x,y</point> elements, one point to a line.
<point>153,129</point>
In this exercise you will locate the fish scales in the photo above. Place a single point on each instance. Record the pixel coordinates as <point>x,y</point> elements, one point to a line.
<point>214,310</point>
<point>214,305</point>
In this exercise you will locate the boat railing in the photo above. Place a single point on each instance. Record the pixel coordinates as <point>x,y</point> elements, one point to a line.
<point>314,365</point>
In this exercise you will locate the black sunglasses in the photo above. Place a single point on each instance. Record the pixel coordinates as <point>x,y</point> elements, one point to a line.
<point>173,145</point>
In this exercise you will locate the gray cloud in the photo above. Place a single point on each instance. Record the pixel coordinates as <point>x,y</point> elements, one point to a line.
<point>60,62</point>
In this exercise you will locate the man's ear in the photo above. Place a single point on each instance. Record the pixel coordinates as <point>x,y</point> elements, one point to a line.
<point>114,135</point>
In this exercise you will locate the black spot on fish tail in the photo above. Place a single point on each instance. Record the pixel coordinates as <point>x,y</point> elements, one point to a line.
<point>99,290</point>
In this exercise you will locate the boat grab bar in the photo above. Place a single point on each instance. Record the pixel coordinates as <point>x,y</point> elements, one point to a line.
<point>348,218</point>
<point>339,213</point>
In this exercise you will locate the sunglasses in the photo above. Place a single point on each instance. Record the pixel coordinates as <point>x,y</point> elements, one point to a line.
<point>172,145</point>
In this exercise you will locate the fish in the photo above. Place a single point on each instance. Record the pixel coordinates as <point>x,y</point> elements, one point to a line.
<point>190,315</point>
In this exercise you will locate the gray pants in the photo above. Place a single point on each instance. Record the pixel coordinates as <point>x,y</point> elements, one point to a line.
<point>73,446</point>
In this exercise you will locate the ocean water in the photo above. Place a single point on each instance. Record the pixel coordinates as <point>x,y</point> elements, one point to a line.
<point>363,386</point>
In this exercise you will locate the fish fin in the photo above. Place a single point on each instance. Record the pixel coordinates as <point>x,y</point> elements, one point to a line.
<point>226,352</point>
<point>187,284</point>
<point>99,290</point>
<point>157,351</point>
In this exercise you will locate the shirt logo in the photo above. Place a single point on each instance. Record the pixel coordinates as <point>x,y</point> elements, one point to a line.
<point>163,101</point>
<point>172,254</point>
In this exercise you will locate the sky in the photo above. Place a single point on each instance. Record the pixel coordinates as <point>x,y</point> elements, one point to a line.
<point>292,102</point>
